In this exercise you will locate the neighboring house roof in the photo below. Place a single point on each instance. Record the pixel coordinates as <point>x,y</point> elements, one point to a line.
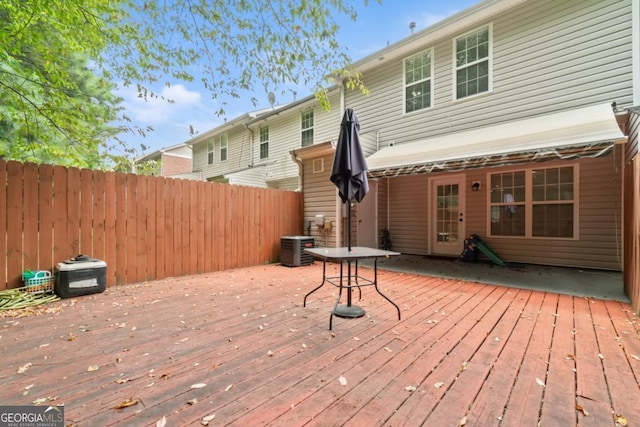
<point>155,155</point>
<point>238,121</point>
<point>589,131</point>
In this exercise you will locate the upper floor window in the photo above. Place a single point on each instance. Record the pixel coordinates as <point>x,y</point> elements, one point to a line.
<point>473,63</point>
<point>307,128</point>
<point>224,146</point>
<point>418,70</point>
<point>210,152</point>
<point>534,203</point>
<point>264,142</point>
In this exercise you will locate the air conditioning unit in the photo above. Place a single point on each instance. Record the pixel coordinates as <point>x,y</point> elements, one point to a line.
<point>292,250</point>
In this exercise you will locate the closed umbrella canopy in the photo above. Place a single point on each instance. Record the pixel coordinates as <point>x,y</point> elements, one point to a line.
<point>349,171</point>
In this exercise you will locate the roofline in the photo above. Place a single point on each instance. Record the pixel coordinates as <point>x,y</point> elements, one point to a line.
<point>444,29</point>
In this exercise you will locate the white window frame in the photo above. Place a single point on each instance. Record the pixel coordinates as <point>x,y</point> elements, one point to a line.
<point>489,58</point>
<point>211,156</point>
<point>224,147</point>
<point>528,203</point>
<point>304,129</point>
<point>429,79</point>
<point>264,142</point>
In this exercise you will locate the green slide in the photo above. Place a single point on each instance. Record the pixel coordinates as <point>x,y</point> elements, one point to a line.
<point>492,255</point>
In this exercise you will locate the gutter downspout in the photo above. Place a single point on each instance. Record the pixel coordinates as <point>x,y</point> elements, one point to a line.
<point>298,161</point>
<point>635,49</point>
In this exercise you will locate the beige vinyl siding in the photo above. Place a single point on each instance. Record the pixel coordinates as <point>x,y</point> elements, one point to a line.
<point>547,57</point>
<point>238,154</point>
<point>285,135</point>
<point>383,206</point>
<point>320,198</point>
<point>407,214</point>
<point>600,217</point>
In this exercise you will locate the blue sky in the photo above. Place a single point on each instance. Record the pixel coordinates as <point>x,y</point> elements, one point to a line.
<point>377,25</point>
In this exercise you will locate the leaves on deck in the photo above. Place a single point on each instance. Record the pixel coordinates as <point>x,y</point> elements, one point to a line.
<point>22,369</point>
<point>342,380</point>
<point>199,385</point>
<point>620,420</point>
<point>410,388</point>
<point>126,403</point>
<point>581,409</point>
<point>93,368</point>
<point>206,420</point>
<point>162,422</point>
<point>540,382</point>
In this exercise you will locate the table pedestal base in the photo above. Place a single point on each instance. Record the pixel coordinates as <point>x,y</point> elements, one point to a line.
<point>349,311</point>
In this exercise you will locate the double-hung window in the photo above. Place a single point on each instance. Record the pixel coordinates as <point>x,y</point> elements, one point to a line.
<point>224,146</point>
<point>418,71</point>
<point>473,62</point>
<point>210,152</point>
<point>539,202</point>
<point>307,128</point>
<point>264,142</point>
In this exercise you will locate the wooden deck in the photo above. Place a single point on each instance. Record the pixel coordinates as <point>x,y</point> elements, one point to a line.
<point>239,345</point>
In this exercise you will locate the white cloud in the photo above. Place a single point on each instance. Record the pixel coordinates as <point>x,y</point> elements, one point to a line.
<point>158,109</point>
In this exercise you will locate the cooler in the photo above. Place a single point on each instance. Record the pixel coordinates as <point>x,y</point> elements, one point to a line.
<point>80,276</point>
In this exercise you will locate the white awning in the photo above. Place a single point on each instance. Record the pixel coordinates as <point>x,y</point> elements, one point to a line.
<point>589,131</point>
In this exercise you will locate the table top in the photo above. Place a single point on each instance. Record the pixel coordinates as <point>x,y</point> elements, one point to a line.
<point>343,253</point>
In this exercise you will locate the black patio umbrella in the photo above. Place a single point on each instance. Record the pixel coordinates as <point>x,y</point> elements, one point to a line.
<point>349,171</point>
<point>349,174</point>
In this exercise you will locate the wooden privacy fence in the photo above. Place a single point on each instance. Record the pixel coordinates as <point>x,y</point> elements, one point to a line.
<point>145,228</point>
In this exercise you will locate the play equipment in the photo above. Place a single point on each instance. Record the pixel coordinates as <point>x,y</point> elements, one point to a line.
<point>474,244</point>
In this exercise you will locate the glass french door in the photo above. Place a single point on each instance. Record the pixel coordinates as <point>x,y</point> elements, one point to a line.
<point>447,215</point>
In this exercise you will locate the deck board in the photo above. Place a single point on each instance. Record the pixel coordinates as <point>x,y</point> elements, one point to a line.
<point>472,351</point>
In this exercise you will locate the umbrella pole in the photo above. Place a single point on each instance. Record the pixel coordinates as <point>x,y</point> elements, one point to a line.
<point>349,310</point>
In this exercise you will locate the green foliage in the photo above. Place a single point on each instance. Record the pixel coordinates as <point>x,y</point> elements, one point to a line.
<point>60,59</point>
<point>53,107</point>
<point>236,46</point>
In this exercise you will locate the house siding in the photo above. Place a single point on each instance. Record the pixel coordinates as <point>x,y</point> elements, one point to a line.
<point>320,199</point>
<point>600,217</point>
<point>238,154</point>
<point>285,135</point>
<point>547,57</point>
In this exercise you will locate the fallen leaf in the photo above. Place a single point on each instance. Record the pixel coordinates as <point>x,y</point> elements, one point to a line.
<point>570,357</point>
<point>342,380</point>
<point>270,353</point>
<point>199,385</point>
<point>438,384</point>
<point>540,382</point>
<point>601,356</point>
<point>126,403</point>
<point>22,369</point>
<point>635,357</point>
<point>93,368</point>
<point>620,419</point>
<point>410,388</point>
<point>463,367</point>
<point>71,337</point>
<point>192,401</point>
<point>228,387</point>
<point>121,380</point>
<point>581,409</point>
<point>165,376</point>
<point>388,349</point>
<point>39,401</point>
<point>463,421</point>
<point>206,420</point>
<point>161,422</point>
